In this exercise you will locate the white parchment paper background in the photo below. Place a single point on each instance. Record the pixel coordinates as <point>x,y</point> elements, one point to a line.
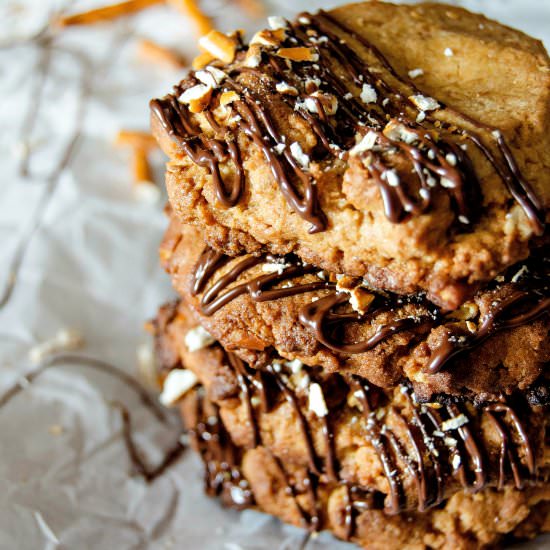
<point>78,251</point>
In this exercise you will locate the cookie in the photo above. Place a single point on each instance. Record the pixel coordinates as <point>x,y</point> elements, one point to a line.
<point>256,478</point>
<point>410,456</point>
<point>267,305</point>
<point>373,466</point>
<point>407,145</point>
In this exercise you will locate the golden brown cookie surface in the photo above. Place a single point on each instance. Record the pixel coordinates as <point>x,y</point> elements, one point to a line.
<point>433,183</point>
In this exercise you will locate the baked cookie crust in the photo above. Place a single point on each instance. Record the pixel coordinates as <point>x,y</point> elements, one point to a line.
<point>259,307</point>
<point>331,150</point>
<point>368,464</point>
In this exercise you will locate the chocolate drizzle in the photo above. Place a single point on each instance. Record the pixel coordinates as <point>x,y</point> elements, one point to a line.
<point>140,467</point>
<point>259,288</point>
<point>327,316</point>
<point>205,152</point>
<point>413,140</point>
<point>222,475</point>
<point>496,320</point>
<point>319,315</point>
<point>430,445</point>
<point>506,452</point>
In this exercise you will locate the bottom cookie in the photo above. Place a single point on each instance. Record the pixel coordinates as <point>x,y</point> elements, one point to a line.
<point>256,478</point>
<point>372,465</point>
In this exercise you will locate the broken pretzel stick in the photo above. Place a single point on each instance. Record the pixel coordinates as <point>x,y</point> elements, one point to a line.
<point>141,143</point>
<point>136,139</point>
<point>141,168</point>
<point>106,13</point>
<point>155,52</point>
<point>145,189</point>
<point>192,10</point>
<point>203,59</point>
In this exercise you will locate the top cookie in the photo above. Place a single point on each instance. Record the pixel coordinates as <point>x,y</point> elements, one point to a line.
<point>408,145</point>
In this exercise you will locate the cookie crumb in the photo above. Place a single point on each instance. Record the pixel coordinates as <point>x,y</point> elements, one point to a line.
<point>454,422</point>
<point>415,73</point>
<point>316,400</point>
<point>176,385</point>
<point>198,338</point>
<point>56,430</point>
<point>368,94</point>
<point>64,340</point>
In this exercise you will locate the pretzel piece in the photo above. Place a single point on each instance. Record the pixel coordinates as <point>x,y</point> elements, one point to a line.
<point>106,13</point>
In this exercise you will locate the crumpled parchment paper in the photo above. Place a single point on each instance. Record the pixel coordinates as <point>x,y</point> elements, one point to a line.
<point>78,254</point>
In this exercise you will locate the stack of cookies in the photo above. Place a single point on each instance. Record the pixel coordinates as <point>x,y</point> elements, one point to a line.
<point>357,205</point>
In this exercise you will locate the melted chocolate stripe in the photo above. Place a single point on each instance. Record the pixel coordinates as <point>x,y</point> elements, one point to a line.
<point>490,324</point>
<point>471,450</point>
<point>209,262</point>
<point>309,520</point>
<point>397,205</point>
<point>415,464</point>
<point>246,391</point>
<point>375,438</point>
<point>221,457</point>
<point>506,451</point>
<point>259,288</point>
<point>315,316</point>
<point>306,206</point>
<point>432,482</point>
<point>207,153</point>
<point>302,423</point>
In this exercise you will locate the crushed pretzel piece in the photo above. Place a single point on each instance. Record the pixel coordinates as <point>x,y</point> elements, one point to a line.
<point>202,60</point>
<point>219,45</point>
<point>196,98</point>
<point>228,97</point>
<point>268,38</point>
<point>298,54</point>
<point>253,56</point>
<point>159,54</point>
<point>192,10</point>
<point>360,300</point>
<point>106,13</point>
<point>466,312</point>
<point>211,76</point>
<point>346,283</point>
<point>328,101</point>
<point>285,88</point>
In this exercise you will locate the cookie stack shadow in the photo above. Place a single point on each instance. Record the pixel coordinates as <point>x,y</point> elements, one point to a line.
<point>360,342</point>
